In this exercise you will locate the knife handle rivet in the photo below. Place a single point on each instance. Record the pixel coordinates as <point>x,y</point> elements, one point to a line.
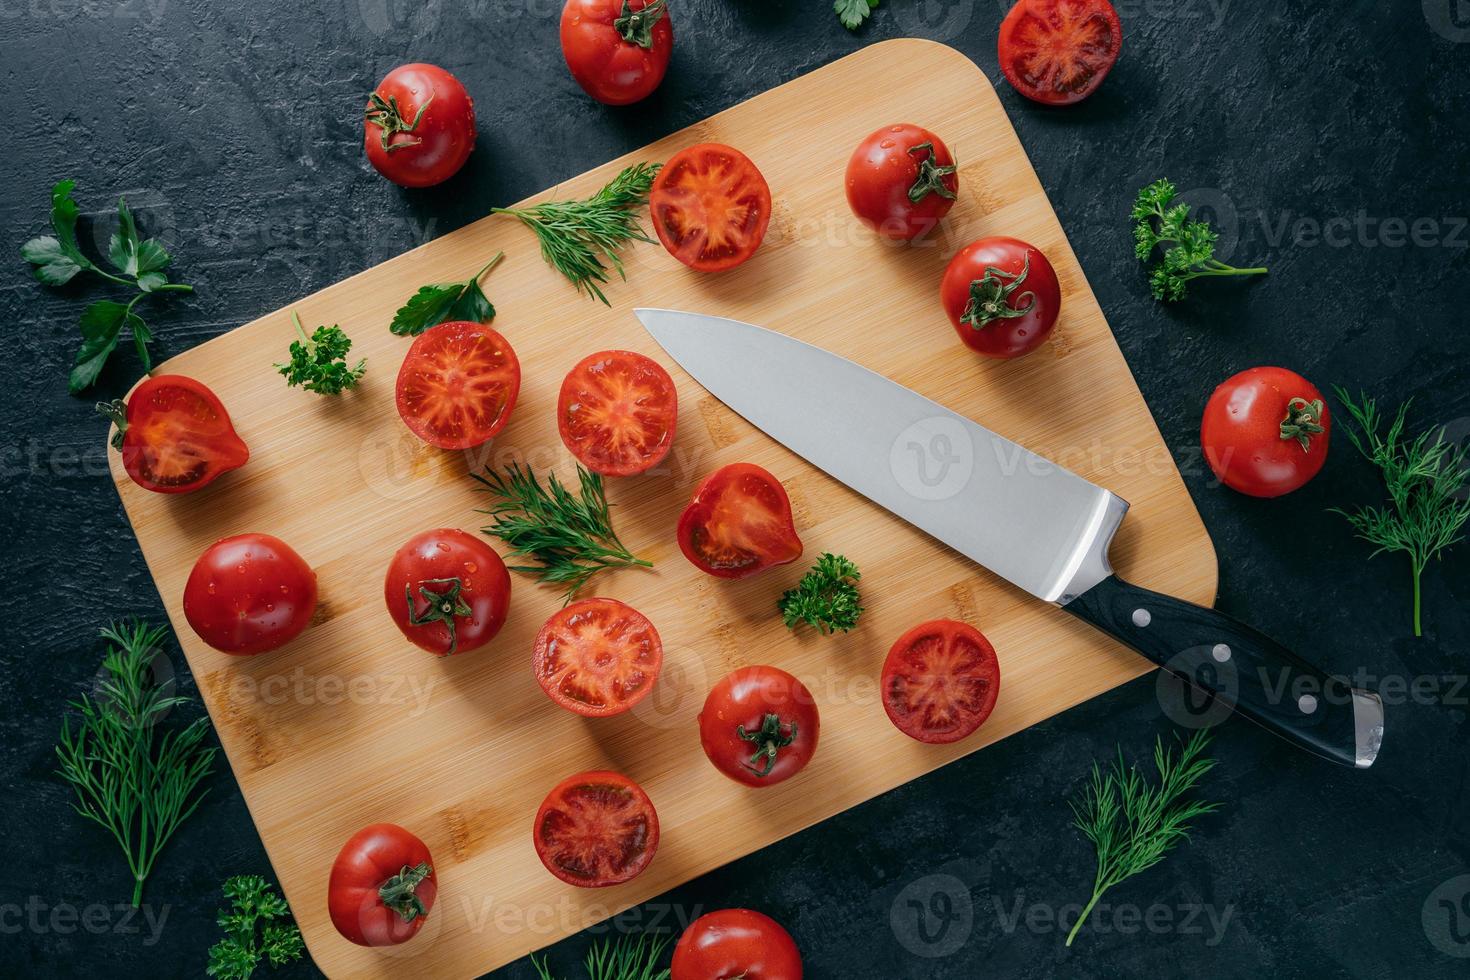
<point>1221,652</point>
<point>1307,703</point>
<point>1142,617</point>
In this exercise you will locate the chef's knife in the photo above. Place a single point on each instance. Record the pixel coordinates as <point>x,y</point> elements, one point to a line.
<point>1034,523</point>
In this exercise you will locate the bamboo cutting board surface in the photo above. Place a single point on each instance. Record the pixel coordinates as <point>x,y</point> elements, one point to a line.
<point>351,724</point>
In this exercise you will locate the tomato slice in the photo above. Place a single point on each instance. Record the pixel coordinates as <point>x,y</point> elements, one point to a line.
<point>177,436</point>
<point>710,207</point>
<point>1059,51</point>
<point>616,412</point>
<point>458,384</point>
<point>597,657</point>
<point>596,829</point>
<point>940,681</point>
<point>738,523</point>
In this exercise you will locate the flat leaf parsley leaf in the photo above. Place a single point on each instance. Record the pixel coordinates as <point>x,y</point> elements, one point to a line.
<point>1189,246</point>
<point>319,362</point>
<point>826,597</point>
<point>853,12</point>
<point>436,304</point>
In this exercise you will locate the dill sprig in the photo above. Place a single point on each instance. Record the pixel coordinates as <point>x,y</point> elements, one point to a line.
<point>1188,246</point>
<point>628,957</point>
<point>569,535</point>
<point>826,597</point>
<point>1425,479</point>
<point>130,776</point>
<point>577,236</point>
<point>1133,823</point>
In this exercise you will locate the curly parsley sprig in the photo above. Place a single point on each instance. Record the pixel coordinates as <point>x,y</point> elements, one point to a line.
<point>1188,246</point>
<point>577,237</point>
<point>826,597</point>
<point>258,927</point>
<point>1425,478</point>
<point>319,362</point>
<point>57,259</point>
<point>1133,824</point>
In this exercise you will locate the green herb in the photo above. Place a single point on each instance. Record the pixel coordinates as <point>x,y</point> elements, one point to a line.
<point>1425,478</point>
<point>826,597</point>
<point>130,776</point>
<point>577,236</point>
<point>1132,823</point>
<point>257,927</point>
<point>390,122</point>
<point>626,958</point>
<point>433,305</point>
<point>57,259</point>
<point>319,362</point>
<point>569,535</point>
<point>853,12</point>
<point>1189,246</point>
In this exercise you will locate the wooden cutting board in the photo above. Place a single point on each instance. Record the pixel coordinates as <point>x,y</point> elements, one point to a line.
<point>351,724</point>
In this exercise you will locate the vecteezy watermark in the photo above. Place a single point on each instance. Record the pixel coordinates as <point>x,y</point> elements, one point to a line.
<point>1446,917</point>
<point>1123,918</point>
<point>1198,687</point>
<point>299,687</point>
<point>1450,19</point>
<point>39,918</point>
<point>934,458</point>
<point>933,916</point>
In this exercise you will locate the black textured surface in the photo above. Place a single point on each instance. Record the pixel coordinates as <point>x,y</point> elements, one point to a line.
<point>235,131</point>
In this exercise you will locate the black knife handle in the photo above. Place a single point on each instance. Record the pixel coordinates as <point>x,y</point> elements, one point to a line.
<point>1241,666</point>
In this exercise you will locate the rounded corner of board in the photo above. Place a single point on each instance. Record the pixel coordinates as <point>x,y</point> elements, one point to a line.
<point>923,47</point>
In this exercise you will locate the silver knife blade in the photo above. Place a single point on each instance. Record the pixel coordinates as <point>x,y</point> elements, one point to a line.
<point>1032,522</point>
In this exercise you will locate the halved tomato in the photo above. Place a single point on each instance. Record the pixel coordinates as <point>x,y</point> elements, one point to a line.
<point>710,207</point>
<point>940,681</point>
<point>1059,51</point>
<point>597,657</point>
<point>596,829</point>
<point>175,435</point>
<point>616,412</point>
<point>458,384</point>
<point>738,523</point>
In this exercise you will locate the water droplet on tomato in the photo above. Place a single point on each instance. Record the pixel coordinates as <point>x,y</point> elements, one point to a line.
<point>441,546</point>
<point>471,567</point>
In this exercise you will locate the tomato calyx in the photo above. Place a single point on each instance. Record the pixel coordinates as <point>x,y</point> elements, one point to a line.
<point>770,740</point>
<point>116,412</point>
<point>399,894</point>
<point>990,296</point>
<point>931,176</point>
<point>636,26</point>
<point>389,119</point>
<point>1303,420</point>
<point>443,606</point>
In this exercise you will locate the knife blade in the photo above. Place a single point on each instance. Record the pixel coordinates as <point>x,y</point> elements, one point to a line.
<point>1027,519</point>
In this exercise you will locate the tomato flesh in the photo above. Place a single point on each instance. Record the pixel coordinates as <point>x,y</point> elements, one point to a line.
<point>710,207</point>
<point>1059,51</point>
<point>178,436</point>
<point>597,657</point>
<point>596,829</point>
<point>617,411</point>
<point>738,523</point>
<point>940,681</point>
<point>458,385</point>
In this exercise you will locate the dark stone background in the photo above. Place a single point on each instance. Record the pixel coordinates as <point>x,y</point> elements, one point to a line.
<point>234,130</point>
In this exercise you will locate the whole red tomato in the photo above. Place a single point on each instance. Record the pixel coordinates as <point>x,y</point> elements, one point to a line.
<point>1059,51</point>
<point>901,180</point>
<point>738,523</point>
<point>736,943</point>
<point>448,591</point>
<point>419,126</point>
<point>1265,431</point>
<point>175,436</point>
<point>618,50</point>
<point>249,594</point>
<point>382,886</point>
<point>596,829</point>
<point>759,726</point>
<point>1002,296</point>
